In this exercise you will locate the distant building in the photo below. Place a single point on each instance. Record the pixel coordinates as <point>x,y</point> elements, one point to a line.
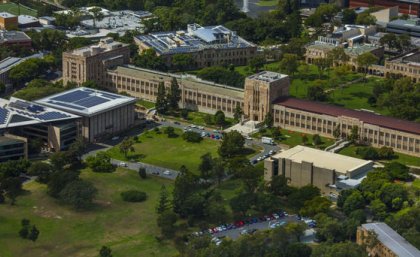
<point>8,21</point>
<point>46,20</point>
<point>411,7</point>
<point>410,27</point>
<point>27,21</point>
<point>208,46</point>
<point>92,62</point>
<point>103,114</point>
<point>405,65</point>
<point>308,166</point>
<point>5,66</point>
<point>15,39</point>
<point>390,243</point>
<point>13,147</point>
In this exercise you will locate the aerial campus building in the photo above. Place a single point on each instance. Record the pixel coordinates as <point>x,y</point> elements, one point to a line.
<point>22,121</point>
<point>263,92</point>
<point>102,114</point>
<point>330,172</point>
<point>208,46</point>
<point>390,243</point>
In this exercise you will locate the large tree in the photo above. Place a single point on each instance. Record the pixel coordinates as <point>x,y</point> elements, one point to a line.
<point>174,95</point>
<point>232,144</point>
<point>161,101</point>
<point>365,60</point>
<point>289,64</point>
<point>79,194</point>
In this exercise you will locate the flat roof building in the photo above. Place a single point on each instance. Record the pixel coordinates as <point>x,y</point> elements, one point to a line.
<point>27,21</point>
<point>304,165</point>
<point>209,45</point>
<point>391,244</point>
<point>15,38</point>
<point>8,21</point>
<point>103,113</point>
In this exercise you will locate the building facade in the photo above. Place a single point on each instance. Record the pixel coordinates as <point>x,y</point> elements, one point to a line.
<point>207,46</point>
<point>389,242</point>
<point>13,147</point>
<point>308,166</point>
<point>15,39</point>
<point>411,7</point>
<point>91,63</point>
<point>103,114</point>
<point>8,21</point>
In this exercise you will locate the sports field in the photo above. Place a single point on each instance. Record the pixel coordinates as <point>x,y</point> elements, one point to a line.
<point>14,9</point>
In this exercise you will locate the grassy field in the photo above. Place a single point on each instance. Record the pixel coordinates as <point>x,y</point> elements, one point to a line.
<point>128,228</point>
<point>197,118</point>
<point>146,104</point>
<point>158,149</point>
<point>14,9</point>
<point>267,2</point>
<point>416,183</point>
<point>402,158</point>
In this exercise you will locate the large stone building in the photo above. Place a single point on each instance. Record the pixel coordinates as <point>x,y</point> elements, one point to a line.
<point>92,62</point>
<point>406,65</point>
<point>208,46</point>
<point>264,92</point>
<point>102,114</point>
<point>390,243</point>
<point>308,166</point>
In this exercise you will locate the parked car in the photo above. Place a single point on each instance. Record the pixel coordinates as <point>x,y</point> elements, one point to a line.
<point>155,172</point>
<point>167,172</point>
<point>115,138</point>
<point>177,123</point>
<point>201,127</point>
<point>123,164</point>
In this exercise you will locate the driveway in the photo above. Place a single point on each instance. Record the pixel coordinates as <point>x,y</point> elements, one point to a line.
<point>150,169</point>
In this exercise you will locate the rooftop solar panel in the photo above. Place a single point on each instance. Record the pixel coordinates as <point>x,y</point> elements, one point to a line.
<point>91,101</point>
<point>111,96</point>
<point>51,116</point>
<point>72,96</point>
<point>67,105</point>
<point>3,115</point>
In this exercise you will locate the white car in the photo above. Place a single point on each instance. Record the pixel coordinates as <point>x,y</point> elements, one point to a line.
<point>115,138</point>
<point>167,172</point>
<point>201,127</point>
<point>123,164</point>
<point>248,138</point>
<point>275,225</point>
<point>193,126</point>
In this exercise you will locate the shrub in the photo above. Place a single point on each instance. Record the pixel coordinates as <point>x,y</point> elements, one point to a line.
<point>192,137</point>
<point>133,196</point>
<point>367,153</point>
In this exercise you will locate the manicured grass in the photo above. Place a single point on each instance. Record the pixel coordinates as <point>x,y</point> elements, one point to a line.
<point>402,158</point>
<point>293,138</point>
<point>416,183</point>
<point>172,153</point>
<point>146,104</point>
<point>197,118</point>
<point>267,2</point>
<point>14,9</point>
<point>128,228</point>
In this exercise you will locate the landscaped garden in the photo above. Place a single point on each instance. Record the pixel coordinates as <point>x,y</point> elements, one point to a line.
<point>199,119</point>
<point>171,152</point>
<point>130,229</point>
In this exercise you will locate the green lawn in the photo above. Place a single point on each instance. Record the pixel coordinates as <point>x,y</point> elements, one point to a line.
<point>146,104</point>
<point>416,183</point>
<point>128,228</point>
<point>293,138</point>
<point>402,158</point>
<point>14,9</point>
<point>158,149</point>
<point>197,118</point>
<point>267,2</point>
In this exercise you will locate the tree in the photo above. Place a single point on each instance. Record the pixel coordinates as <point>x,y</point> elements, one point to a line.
<point>389,192</point>
<point>148,59</point>
<point>100,163</point>
<point>338,56</point>
<point>316,140</point>
<point>219,118</point>
<point>354,134</point>
<point>142,173</point>
<point>208,119</point>
<point>185,185</point>
<point>337,132</point>
<point>349,16</point>
<point>184,114</point>
<point>133,196</point>
<point>218,170</point>
<point>378,209</point>
<point>222,75</point>
<point>232,145</point>
<point>275,133</point>
<point>97,15</point>
<point>163,204</point>
<point>314,206</point>
<point>365,18</point>
<point>389,40</point>
<point>278,186</point>
<point>365,60</point>
<point>269,120</point>
<point>33,234</point>
<point>166,221</point>
<point>353,202</point>
<point>24,231</point>
<point>241,203</point>
<point>127,145</point>
<point>256,63</point>
<point>40,169</point>
<point>289,64</point>
<point>316,93</point>
<point>105,252</point>
<point>344,249</point>
<point>12,187</point>
<point>237,113</point>
<point>206,165</point>
<point>298,197</point>
<point>386,153</point>
<point>397,170</point>
<point>322,65</point>
<point>192,137</point>
<point>170,131</point>
<point>78,148</point>
<point>79,194</point>
<point>304,139</point>
<point>161,102</point>
<point>174,95</point>
<point>182,61</point>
